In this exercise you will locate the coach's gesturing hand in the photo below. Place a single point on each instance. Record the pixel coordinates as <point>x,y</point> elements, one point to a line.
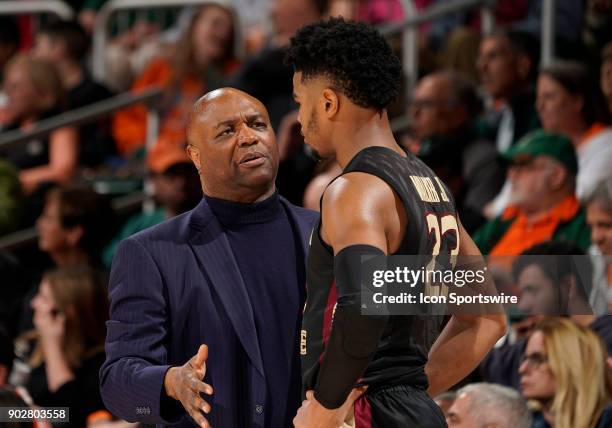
<point>185,385</point>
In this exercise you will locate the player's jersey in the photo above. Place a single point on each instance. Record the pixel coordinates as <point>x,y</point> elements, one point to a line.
<point>431,229</point>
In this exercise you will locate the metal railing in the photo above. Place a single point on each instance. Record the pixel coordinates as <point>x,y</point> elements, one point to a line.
<point>101,27</point>
<point>84,115</point>
<point>27,237</point>
<point>410,40</point>
<point>23,7</point>
<point>414,19</point>
<point>81,116</point>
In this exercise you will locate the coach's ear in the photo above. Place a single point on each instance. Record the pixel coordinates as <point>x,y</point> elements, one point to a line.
<point>331,103</point>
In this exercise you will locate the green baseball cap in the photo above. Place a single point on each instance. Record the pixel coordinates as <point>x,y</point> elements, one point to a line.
<point>542,143</point>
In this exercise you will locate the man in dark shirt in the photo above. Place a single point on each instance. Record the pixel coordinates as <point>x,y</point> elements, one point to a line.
<point>229,274</point>
<point>65,44</point>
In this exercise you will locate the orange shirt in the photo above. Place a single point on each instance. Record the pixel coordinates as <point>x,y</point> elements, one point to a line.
<point>523,234</point>
<point>595,129</point>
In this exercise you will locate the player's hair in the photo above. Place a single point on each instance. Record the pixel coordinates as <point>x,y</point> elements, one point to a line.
<point>354,57</point>
<point>496,404</point>
<point>70,33</point>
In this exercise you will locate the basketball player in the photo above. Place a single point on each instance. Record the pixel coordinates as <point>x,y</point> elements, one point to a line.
<point>345,76</point>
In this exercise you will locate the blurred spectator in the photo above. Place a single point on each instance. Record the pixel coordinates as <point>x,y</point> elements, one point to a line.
<point>73,229</point>
<point>35,92</point>
<point>597,25</point>
<point>67,345</point>
<point>204,57</point>
<point>542,202</point>
<point>484,405</point>
<point>65,45</point>
<point>564,370</point>
<point>74,226</point>
<point>176,189</point>
<point>10,198</point>
<point>443,110</point>
<point>570,102</point>
<point>266,77</point>
<point>9,41</point>
<point>507,63</point>
<point>599,219</point>
<point>606,75</point>
<point>445,401</point>
<point>553,278</point>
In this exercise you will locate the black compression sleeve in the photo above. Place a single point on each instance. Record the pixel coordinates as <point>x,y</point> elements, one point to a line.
<point>354,337</point>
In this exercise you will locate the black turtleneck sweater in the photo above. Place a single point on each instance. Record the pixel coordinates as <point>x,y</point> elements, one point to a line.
<point>264,243</point>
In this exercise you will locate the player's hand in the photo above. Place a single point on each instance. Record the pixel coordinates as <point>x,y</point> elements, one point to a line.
<point>312,414</point>
<point>185,385</point>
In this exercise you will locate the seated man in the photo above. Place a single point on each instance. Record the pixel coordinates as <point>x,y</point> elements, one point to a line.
<point>443,111</point>
<point>481,405</point>
<point>543,205</point>
<point>599,218</point>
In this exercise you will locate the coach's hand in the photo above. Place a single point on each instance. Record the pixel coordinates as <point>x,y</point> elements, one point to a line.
<point>313,414</point>
<point>185,385</point>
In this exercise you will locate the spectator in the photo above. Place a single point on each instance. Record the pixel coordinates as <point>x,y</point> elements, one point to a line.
<point>73,229</point>
<point>204,57</point>
<point>325,172</point>
<point>443,109</point>
<point>543,206</point>
<point>65,44</point>
<point>599,218</point>
<point>74,226</point>
<point>267,78</point>
<point>570,102</point>
<point>507,63</point>
<point>484,405</point>
<point>564,371</point>
<point>606,75</point>
<point>70,311</point>
<point>558,285</point>
<point>176,189</point>
<point>35,92</point>
<point>445,401</point>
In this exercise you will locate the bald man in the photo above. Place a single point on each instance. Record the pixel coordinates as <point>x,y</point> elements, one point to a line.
<point>206,307</point>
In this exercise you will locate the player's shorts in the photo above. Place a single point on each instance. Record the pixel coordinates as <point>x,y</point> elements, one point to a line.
<point>398,406</point>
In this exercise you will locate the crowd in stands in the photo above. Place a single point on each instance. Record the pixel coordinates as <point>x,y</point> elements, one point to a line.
<point>525,149</point>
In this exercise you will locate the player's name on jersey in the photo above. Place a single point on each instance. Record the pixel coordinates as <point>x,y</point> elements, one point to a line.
<point>427,189</point>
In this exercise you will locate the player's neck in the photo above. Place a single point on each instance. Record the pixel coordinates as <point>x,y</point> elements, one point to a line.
<point>367,129</point>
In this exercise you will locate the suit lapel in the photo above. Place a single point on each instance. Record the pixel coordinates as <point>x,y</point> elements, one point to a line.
<point>212,249</point>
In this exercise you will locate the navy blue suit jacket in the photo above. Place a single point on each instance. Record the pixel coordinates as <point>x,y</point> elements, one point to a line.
<point>173,287</point>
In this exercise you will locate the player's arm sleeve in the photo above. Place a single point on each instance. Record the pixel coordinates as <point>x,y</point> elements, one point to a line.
<point>132,377</point>
<point>354,337</point>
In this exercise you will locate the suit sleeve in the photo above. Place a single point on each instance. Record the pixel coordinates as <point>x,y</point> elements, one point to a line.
<point>132,376</point>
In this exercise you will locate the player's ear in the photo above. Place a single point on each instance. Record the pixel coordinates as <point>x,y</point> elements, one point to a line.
<point>331,102</point>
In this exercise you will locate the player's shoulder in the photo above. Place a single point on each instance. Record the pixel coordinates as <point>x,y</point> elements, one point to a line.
<point>358,190</point>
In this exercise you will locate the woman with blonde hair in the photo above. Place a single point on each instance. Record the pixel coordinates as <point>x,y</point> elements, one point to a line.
<point>564,372</point>
<point>35,92</point>
<point>204,56</point>
<point>70,311</point>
